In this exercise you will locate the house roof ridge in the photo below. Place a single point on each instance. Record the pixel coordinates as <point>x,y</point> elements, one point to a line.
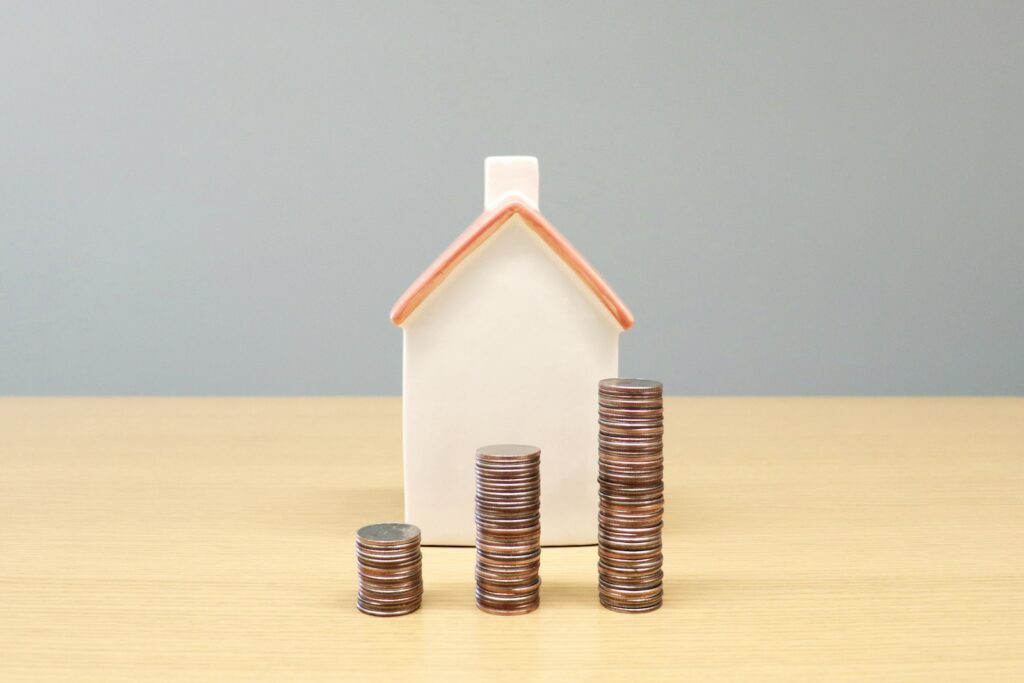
<point>478,232</point>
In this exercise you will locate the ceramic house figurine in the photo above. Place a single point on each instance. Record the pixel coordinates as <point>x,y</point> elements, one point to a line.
<point>506,336</point>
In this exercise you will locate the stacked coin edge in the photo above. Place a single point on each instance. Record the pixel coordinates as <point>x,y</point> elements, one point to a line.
<point>631,492</point>
<point>507,519</point>
<point>389,564</point>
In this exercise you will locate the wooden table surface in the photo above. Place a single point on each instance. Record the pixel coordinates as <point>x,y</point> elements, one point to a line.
<point>806,539</point>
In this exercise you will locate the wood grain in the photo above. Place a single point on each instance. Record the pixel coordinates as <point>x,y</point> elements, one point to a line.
<point>806,539</point>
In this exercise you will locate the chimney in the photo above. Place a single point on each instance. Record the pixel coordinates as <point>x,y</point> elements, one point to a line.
<point>508,178</point>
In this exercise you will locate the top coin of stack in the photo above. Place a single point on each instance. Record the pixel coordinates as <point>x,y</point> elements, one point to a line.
<point>389,563</point>
<point>508,528</point>
<point>632,498</point>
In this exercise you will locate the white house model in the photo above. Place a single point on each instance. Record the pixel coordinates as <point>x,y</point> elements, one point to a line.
<point>506,336</point>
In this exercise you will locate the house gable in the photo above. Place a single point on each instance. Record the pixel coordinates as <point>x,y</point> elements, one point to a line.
<point>512,279</point>
<point>479,232</point>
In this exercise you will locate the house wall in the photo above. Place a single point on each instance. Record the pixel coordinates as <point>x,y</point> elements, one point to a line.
<point>508,349</point>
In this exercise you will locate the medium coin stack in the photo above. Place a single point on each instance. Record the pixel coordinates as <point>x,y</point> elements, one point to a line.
<point>389,563</point>
<point>632,497</point>
<point>508,528</point>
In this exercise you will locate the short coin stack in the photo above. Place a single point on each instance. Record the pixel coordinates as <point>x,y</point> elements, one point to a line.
<point>632,494</point>
<point>508,528</point>
<point>389,562</point>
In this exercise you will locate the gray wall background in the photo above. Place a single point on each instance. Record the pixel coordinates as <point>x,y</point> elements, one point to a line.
<point>793,197</point>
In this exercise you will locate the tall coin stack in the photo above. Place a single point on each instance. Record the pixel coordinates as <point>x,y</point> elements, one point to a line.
<point>389,563</point>
<point>508,528</point>
<point>632,494</point>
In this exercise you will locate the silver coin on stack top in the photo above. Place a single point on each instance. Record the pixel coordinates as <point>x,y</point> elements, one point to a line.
<point>508,528</point>
<point>389,563</point>
<point>632,501</point>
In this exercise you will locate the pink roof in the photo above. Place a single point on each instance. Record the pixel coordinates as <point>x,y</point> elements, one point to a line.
<point>477,233</point>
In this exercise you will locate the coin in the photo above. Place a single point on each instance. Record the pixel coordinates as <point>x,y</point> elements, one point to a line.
<point>630,387</point>
<point>507,528</point>
<point>631,494</point>
<point>388,535</point>
<point>388,563</point>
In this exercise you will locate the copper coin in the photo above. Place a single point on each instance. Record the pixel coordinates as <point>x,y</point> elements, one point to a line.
<point>629,576</point>
<point>646,432</point>
<point>641,411</point>
<point>508,611</point>
<point>615,479</point>
<point>642,403</point>
<point>617,605</point>
<point>377,612</point>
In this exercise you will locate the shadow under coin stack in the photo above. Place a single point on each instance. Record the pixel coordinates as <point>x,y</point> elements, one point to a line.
<point>389,562</point>
<point>508,528</point>
<point>632,495</point>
